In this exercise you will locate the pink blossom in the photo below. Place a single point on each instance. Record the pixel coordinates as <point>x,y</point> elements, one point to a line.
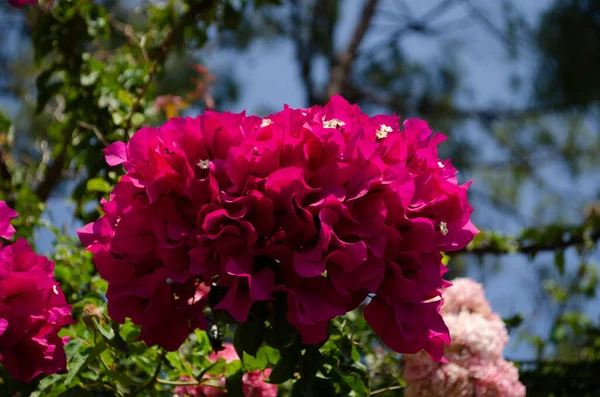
<point>253,383</point>
<point>498,380</point>
<point>6,214</point>
<point>474,335</point>
<point>450,380</point>
<point>33,309</point>
<point>466,294</point>
<point>21,3</point>
<point>476,366</point>
<point>323,206</point>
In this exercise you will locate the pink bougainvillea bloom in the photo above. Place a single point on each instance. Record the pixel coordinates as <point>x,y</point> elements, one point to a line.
<point>253,383</point>
<point>466,295</point>
<point>21,3</point>
<point>476,366</point>
<point>6,214</point>
<point>323,206</point>
<point>33,309</point>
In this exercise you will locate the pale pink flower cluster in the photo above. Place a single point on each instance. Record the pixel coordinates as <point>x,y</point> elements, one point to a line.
<point>475,364</point>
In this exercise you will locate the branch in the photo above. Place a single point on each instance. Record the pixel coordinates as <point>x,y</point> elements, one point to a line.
<point>53,172</point>
<point>389,388</point>
<point>485,114</point>
<point>5,174</point>
<point>535,240</point>
<point>154,376</point>
<point>188,17</point>
<point>340,72</point>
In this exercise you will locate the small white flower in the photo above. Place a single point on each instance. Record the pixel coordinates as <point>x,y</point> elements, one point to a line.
<point>204,164</point>
<point>333,123</point>
<point>440,164</point>
<point>265,123</point>
<point>383,131</point>
<point>55,289</point>
<point>443,228</point>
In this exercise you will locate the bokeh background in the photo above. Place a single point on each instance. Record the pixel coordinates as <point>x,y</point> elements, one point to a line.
<point>514,84</point>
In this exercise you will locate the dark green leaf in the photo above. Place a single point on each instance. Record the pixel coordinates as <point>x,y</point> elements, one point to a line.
<point>84,359</point>
<point>283,371</point>
<point>234,385</point>
<point>249,336</point>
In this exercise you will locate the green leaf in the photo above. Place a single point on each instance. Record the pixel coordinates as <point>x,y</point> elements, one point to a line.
<point>80,361</point>
<point>318,388</point>
<point>4,123</point>
<point>283,371</point>
<point>137,119</point>
<point>249,337</point>
<point>559,261</point>
<point>266,355</point>
<point>234,385</point>
<point>355,377</point>
<point>514,321</point>
<point>310,363</point>
<point>98,185</point>
<point>46,387</point>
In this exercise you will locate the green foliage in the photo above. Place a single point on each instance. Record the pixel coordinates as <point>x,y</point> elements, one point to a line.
<point>99,66</point>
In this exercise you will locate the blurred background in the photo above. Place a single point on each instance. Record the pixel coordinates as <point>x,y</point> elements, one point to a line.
<point>515,85</point>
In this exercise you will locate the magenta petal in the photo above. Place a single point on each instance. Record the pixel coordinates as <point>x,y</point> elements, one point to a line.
<point>6,213</point>
<point>116,153</point>
<point>3,325</point>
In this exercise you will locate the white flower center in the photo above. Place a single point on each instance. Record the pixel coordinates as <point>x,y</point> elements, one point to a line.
<point>265,123</point>
<point>204,164</point>
<point>55,290</point>
<point>333,123</point>
<point>440,164</point>
<point>383,131</point>
<point>443,228</point>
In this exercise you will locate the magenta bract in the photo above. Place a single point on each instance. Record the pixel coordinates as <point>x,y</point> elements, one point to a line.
<point>324,204</point>
<point>33,309</point>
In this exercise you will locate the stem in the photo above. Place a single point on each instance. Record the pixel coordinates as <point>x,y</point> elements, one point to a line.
<point>389,388</point>
<point>195,9</point>
<point>151,380</point>
<point>340,72</point>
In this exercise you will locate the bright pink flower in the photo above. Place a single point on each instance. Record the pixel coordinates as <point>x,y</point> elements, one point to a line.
<point>325,204</point>
<point>253,383</point>
<point>33,309</point>
<point>21,3</point>
<point>6,214</point>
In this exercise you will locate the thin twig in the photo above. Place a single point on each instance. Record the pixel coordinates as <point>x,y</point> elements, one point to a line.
<point>96,131</point>
<point>178,382</point>
<point>389,388</point>
<point>340,72</point>
<point>154,376</point>
<point>186,18</point>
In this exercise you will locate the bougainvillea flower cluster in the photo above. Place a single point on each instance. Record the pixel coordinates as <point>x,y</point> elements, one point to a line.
<point>32,309</point>
<point>253,383</point>
<point>476,366</point>
<point>325,206</point>
<point>21,3</point>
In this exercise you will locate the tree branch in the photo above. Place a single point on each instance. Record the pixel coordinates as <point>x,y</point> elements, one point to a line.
<point>195,9</point>
<point>485,114</point>
<point>340,71</point>
<point>5,174</point>
<point>535,240</point>
<point>53,171</point>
